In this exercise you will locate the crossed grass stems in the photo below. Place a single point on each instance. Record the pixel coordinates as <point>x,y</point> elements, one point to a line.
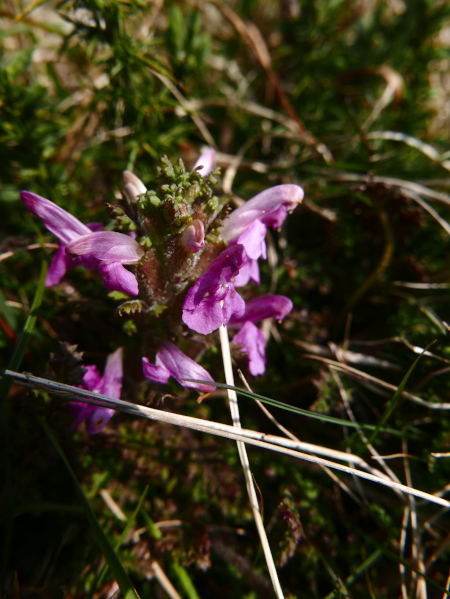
<point>290,445</point>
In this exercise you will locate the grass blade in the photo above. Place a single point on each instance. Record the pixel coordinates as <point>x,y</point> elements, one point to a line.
<point>295,410</point>
<point>109,554</point>
<point>185,581</point>
<point>97,582</point>
<point>19,350</point>
<point>5,387</point>
<point>396,397</point>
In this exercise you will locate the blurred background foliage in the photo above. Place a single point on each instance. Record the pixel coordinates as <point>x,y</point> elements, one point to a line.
<point>351,99</point>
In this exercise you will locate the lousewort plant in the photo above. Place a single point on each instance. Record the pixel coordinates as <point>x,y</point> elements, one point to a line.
<point>185,255</point>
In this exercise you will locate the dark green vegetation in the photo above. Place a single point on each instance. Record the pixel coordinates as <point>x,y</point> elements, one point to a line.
<point>90,88</point>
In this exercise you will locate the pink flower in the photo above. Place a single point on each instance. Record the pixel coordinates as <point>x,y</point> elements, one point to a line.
<point>270,207</point>
<point>80,244</point>
<point>170,361</point>
<point>248,225</point>
<point>213,300</point>
<point>110,384</point>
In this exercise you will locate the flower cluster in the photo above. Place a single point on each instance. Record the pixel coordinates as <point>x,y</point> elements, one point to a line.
<point>186,255</point>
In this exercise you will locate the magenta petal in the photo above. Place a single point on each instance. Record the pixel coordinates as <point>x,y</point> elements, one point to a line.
<point>117,278</point>
<point>92,379</point>
<point>159,374</point>
<point>95,227</point>
<point>59,222</point>
<point>209,288</point>
<point>182,367</point>
<point>253,240</point>
<point>276,218</point>
<point>206,161</point>
<point>243,276</point>
<point>254,272</point>
<point>250,271</point>
<point>204,319</point>
<point>107,246</point>
<point>276,306</point>
<point>89,262</point>
<point>109,384</point>
<point>202,309</point>
<point>59,265</point>
<point>228,262</point>
<point>112,377</point>
<point>80,411</point>
<point>233,305</point>
<point>98,419</point>
<point>261,207</point>
<point>254,344</point>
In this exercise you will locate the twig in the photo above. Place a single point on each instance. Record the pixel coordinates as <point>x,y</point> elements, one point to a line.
<point>392,182</point>
<point>416,550</point>
<point>185,104</point>
<point>437,217</point>
<point>285,431</point>
<point>370,447</point>
<point>234,409</point>
<point>33,246</point>
<point>364,376</point>
<point>215,428</point>
<point>447,587</point>
<point>255,41</point>
<point>161,577</point>
<point>402,543</point>
<point>113,506</point>
<point>413,142</point>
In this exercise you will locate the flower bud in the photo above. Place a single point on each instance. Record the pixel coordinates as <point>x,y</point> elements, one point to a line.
<point>132,186</point>
<point>193,237</point>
